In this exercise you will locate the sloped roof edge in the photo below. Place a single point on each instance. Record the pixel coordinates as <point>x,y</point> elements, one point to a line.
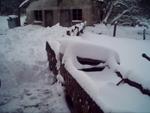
<point>25,3</point>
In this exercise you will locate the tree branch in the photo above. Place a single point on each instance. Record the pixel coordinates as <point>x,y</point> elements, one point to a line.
<point>120,15</point>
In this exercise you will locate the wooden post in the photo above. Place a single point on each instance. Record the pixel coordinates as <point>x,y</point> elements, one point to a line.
<point>0,7</point>
<point>146,56</point>
<point>0,83</point>
<point>19,14</point>
<point>144,34</point>
<point>115,29</point>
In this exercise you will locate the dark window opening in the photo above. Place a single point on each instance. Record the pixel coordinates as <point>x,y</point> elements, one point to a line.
<point>38,15</point>
<point>77,14</point>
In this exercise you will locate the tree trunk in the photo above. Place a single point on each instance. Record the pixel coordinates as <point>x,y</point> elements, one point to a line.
<point>108,14</point>
<point>19,14</point>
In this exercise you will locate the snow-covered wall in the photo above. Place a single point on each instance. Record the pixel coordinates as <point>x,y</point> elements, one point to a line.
<point>108,78</point>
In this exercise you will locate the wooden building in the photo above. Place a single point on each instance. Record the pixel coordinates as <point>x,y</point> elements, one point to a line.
<point>65,12</point>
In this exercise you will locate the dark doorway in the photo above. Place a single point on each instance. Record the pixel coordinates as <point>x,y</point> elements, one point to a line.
<point>38,15</point>
<point>65,17</point>
<point>48,18</point>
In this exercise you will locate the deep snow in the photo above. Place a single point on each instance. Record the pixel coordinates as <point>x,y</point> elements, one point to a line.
<point>27,86</point>
<point>102,85</point>
<point>130,52</point>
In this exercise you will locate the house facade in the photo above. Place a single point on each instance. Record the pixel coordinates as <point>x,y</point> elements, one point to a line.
<point>65,12</point>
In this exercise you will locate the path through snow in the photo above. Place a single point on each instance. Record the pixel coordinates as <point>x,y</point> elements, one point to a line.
<point>26,83</point>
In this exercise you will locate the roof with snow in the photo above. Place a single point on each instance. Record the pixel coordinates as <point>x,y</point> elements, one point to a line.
<point>24,3</point>
<point>49,4</point>
<point>54,3</point>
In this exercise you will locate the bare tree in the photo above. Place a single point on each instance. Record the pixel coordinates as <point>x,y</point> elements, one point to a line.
<point>118,8</point>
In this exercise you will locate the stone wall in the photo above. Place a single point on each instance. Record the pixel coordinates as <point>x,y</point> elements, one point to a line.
<point>51,59</point>
<point>78,100</point>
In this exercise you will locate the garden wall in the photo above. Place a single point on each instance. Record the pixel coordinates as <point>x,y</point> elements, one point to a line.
<point>77,99</point>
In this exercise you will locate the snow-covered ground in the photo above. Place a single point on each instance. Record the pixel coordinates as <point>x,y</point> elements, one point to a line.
<point>3,25</point>
<point>27,86</point>
<point>102,85</point>
<point>130,52</point>
<point>121,32</point>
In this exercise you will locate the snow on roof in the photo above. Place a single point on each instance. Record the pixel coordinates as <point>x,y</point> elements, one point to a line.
<point>101,0</point>
<point>23,3</point>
